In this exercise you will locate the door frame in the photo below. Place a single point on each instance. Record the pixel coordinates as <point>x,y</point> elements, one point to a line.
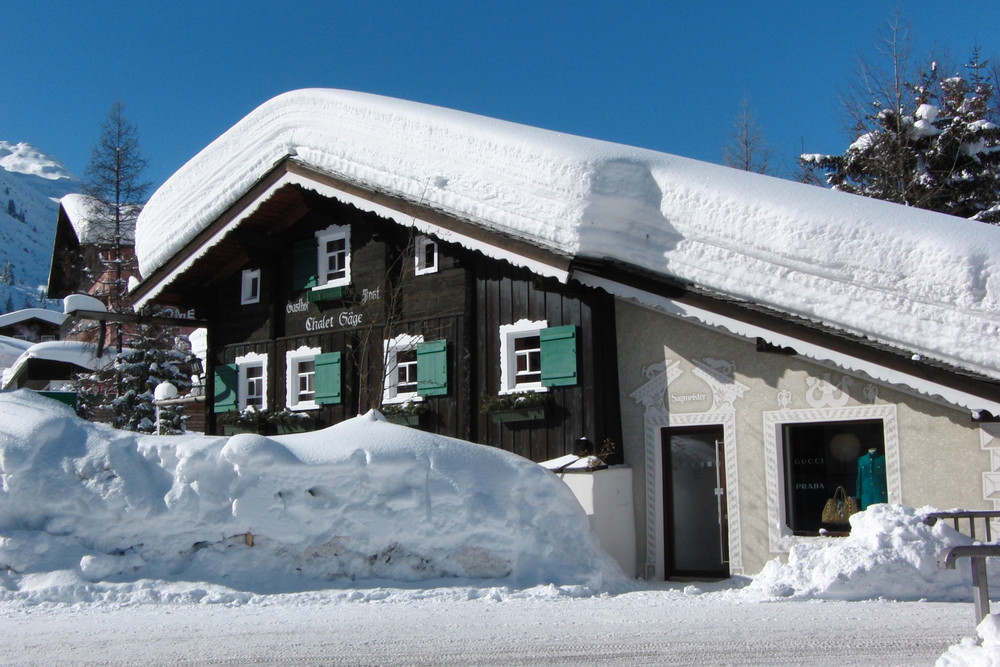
<point>717,432</point>
<point>656,418</point>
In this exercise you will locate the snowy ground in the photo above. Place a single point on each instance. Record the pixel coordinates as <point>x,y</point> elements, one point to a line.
<point>370,543</point>
<point>439,627</point>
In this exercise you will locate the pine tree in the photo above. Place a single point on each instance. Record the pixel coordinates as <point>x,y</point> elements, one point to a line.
<point>148,360</point>
<point>927,143</point>
<point>7,275</point>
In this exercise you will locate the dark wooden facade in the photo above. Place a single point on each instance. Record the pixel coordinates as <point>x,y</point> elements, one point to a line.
<point>464,302</point>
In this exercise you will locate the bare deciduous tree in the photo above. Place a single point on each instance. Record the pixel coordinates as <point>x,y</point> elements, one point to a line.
<point>747,149</point>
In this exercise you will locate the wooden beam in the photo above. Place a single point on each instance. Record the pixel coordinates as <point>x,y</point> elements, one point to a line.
<point>136,318</point>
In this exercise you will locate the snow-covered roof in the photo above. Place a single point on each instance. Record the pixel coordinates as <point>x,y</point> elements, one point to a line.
<point>74,352</point>
<point>50,316</point>
<point>917,280</point>
<point>80,211</point>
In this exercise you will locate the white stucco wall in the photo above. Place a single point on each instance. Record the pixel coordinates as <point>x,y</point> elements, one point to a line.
<point>606,497</point>
<point>674,372</point>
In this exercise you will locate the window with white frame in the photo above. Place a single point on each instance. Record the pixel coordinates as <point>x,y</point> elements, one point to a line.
<point>401,369</point>
<point>334,256</point>
<point>250,290</point>
<point>425,250</point>
<point>521,356</point>
<point>252,381</point>
<point>300,379</point>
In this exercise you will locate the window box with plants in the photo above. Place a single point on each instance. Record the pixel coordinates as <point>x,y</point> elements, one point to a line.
<point>520,406</point>
<point>407,413</point>
<point>264,422</point>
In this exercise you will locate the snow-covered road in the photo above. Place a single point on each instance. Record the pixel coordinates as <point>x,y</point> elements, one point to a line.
<point>661,627</point>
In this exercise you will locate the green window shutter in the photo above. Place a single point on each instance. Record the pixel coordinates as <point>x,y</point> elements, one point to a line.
<point>328,378</point>
<point>432,368</point>
<point>226,378</point>
<point>558,356</point>
<point>304,257</point>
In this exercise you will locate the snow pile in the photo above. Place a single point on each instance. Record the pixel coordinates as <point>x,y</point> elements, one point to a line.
<point>889,554</point>
<point>87,511</point>
<point>982,650</point>
<point>921,281</point>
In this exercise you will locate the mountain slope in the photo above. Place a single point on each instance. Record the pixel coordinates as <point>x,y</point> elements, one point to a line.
<point>31,184</point>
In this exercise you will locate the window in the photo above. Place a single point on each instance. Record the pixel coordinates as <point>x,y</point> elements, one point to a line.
<point>334,257</point>
<point>534,356</point>
<point>425,252</point>
<point>300,379</point>
<point>527,361</point>
<point>47,339</point>
<point>414,368</point>
<point>252,381</point>
<point>818,457</point>
<point>250,292</point>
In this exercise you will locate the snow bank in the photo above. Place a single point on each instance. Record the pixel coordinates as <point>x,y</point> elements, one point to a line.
<point>889,554</point>
<point>983,650</point>
<point>87,511</point>
<point>921,281</point>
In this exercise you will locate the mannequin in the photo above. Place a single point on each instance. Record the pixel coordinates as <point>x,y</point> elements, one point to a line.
<point>871,487</point>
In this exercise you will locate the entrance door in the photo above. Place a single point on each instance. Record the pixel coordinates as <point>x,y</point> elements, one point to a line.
<point>694,497</point>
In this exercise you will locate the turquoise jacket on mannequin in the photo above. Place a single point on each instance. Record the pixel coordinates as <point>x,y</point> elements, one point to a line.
<point>870,487</point>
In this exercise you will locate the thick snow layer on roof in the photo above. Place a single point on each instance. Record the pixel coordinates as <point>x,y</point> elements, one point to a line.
<point>50,316</point>
<point>921,281</point>
<point>81,211</point>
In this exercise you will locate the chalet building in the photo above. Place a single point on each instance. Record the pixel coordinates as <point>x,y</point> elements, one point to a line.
<point>739,346</point>
<point>35,325</point>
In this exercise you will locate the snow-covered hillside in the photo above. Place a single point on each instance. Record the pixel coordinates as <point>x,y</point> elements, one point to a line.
<point>31,184</point>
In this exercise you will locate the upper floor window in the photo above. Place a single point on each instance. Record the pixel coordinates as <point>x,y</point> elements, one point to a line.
<point>334,256</point>
<point>425,250</point>
<point>250,290</point>
<point>535,356</point>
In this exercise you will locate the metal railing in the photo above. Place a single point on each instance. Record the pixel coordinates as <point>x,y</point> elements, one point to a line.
<point>976,553</point>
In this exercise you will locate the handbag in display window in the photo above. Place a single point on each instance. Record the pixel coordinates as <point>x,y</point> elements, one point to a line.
<point>839,509</point>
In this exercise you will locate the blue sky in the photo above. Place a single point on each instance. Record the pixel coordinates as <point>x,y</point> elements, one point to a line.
<point>665,75</point>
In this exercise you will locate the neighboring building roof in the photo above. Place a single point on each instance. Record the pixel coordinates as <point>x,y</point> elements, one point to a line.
<point>50,316</point>
<point>11,349</point>
<point>915,280</point>
<point>72,356</point>
<point>80,212</point>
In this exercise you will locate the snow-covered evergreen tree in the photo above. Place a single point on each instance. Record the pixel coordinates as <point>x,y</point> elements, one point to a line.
<point>148,361</point>
<point>936,149</point>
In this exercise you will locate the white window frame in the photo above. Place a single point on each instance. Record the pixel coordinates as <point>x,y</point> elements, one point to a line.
<point>780,536</point>
<point>251,279</point>
<point>508,358</point>
<point>420,245</point>
<point>243,364</point>
<point>292,360</point>
<point>332,233</point>
<point>392,347</point>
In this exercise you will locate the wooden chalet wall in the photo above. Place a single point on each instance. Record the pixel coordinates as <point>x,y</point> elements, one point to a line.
<point>464,303</point>
<point>504,295</point>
